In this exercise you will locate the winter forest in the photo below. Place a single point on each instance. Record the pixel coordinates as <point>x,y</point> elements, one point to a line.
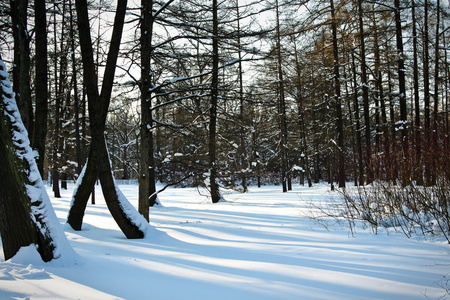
<point>228,98</point>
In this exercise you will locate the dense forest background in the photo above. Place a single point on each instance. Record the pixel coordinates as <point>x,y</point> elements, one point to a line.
<point>232,93</point>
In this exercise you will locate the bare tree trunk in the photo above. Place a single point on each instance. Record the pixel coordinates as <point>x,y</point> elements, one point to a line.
<point>436,96</point>
<point>402,87</point>
<point>75,92</point>
<point>55,159</point>
<point>25,105</point>
<point>426,91</point>
<point>361,162</point>
<point>337,98</point>
<point>382,107</point>
<point>282,108</point>
<point>121,210</point>
<point>14,12</point>
<point>215,193</point>
<point>242,146</point>
<point>40,128</point>
<point>85,186</point>
<point>365,88</point>
<point>417,128</point>
<point>147,165</point>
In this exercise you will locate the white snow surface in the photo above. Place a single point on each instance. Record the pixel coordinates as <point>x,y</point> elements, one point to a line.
<point>257,245</point>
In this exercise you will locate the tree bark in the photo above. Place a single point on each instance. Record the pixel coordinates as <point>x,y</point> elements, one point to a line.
<point>98,109</point>
<point>426,95</point>
<point>25,105</point>
<point>242,147</point>
<point>20,224</point>
<point>75,94</point>
<point>436,96</point>
<point>281,107</point>
<point>147,182</point>
<point>40,128</point>
<point>417,128</point>
<point>359,151</point>
<point>214,187</point>
<point>401,84</point>
<point>365,88</point>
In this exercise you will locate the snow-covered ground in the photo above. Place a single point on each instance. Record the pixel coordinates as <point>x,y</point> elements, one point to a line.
<point>258,245</point>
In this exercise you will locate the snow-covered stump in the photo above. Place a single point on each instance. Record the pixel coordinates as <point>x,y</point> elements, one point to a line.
<point>26,214</point>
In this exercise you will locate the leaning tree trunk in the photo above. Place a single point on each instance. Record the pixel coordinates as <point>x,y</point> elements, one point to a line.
<point>130,222</point>
<point>85,186</point>
<point>26,214</point>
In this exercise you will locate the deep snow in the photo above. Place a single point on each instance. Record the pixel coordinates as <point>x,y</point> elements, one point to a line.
<point>258,245</point>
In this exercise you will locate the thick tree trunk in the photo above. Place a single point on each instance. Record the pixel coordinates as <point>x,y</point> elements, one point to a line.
<point>25,218</point>
<point>16,228</point>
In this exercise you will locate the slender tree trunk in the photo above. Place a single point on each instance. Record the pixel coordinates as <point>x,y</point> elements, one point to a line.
<point>361,161</point>
<point>365,88</point>
<point>382,105</point>
<point>56,131</point>
<point>338,100</point>
<point>123,213</point>
<point>426,87</point>
<point>436,96</point>
<point>417,128</point>
<point>393,163</point>
<point>281,108</point>
<point>215,193</point>
<point>75,92</point>
<point>40,128</point>
<point>14,13</point>
<point>242,146</point>
<point>402,88</point>
<point>25,105</point>
<point>147,168</point>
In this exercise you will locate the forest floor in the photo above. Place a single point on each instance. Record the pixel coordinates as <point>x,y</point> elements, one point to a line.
<point>258,245</point>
